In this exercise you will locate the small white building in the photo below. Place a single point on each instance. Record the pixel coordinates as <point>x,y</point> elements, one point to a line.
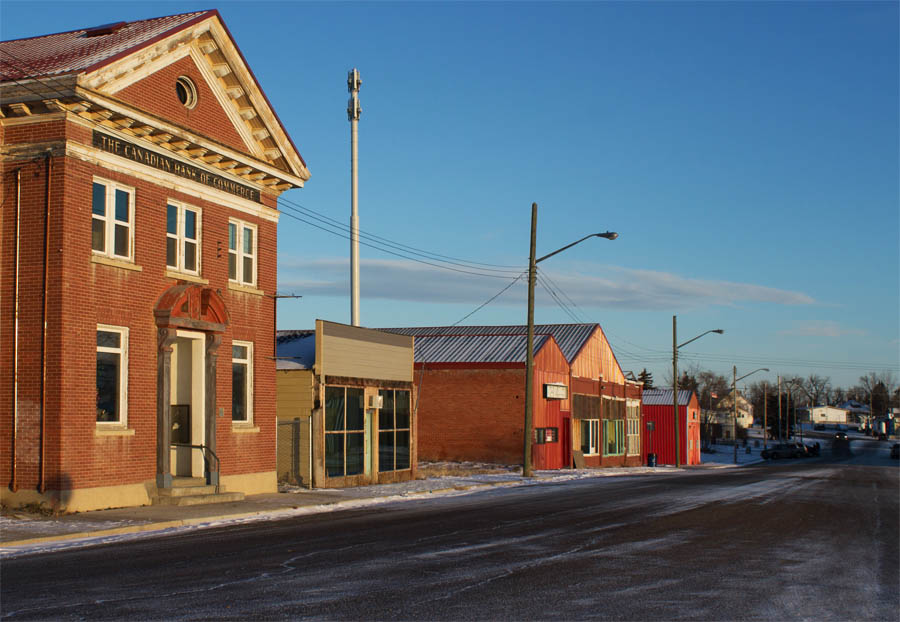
<point>828,414</point>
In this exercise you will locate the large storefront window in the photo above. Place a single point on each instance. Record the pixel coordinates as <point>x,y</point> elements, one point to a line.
<point>590,432</point>
<point>614,437</point>
<point>345,419</point>
<point>393,430</point>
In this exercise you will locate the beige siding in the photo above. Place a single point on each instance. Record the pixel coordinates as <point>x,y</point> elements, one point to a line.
<point>294,408</point>
<point>354,352</point>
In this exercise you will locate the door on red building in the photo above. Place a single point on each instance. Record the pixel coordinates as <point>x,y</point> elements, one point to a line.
<point>565,440</point>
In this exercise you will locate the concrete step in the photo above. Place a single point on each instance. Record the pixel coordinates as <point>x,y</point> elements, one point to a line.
<point>187,491</point>
<point>197,499</point>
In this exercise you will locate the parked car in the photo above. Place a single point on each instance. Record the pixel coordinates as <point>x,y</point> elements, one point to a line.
<point>782,450</point>
<point>819,426</point>
<point>812,450</point>
<point>895,451</point>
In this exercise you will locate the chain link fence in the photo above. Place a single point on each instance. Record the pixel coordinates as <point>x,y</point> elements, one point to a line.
<point>294,458</point>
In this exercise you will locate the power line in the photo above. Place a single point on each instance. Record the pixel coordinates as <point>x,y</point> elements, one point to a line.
<point>376,241</point>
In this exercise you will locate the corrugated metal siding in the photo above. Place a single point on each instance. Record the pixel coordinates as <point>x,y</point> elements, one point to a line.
<point>549,366</point>
<point>295,349</point>
<point>663,437</point>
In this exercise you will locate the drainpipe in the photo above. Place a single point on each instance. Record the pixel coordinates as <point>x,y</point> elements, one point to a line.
<point>14,485</point>
<point>42,484</point>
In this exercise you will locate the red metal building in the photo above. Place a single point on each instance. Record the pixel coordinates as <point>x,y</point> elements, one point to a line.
<point>594,419</point>
<point>656,408</point>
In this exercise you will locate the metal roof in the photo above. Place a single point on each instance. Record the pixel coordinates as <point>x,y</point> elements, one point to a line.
<point>295,349</point>
<point>77,50</point>
<point>663,397</point>
<point>474,348</point>
<point>570,337</point>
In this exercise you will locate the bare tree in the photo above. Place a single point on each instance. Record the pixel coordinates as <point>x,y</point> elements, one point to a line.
<point>814,387</point>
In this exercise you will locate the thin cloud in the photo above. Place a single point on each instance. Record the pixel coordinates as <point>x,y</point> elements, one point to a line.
<point>620,288</point>
<point>821,328</point>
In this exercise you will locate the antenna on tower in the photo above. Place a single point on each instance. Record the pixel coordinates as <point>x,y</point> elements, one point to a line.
<point>353,112</point>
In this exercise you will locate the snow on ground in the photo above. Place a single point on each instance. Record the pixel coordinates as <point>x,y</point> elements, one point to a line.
<point>349,498</point>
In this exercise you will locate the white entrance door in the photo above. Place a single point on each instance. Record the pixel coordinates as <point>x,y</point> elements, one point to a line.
<point>187,401</point>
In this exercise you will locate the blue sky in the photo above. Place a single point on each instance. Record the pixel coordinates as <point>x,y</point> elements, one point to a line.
<point>746,153</point>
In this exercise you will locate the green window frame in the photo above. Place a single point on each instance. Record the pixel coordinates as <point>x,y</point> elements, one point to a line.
<point>345,421</point>
<point>613,437</point>
<point>394,430</point>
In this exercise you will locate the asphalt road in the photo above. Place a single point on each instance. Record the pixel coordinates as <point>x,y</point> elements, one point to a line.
<point>794,539</point>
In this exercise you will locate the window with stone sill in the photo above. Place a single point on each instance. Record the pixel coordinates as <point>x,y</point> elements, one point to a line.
<point>183,238</point>
<point>242,245</point>
<point>112,220</point>
<point>112,375</point>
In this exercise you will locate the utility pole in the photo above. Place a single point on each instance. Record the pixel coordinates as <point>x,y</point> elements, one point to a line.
<point>675,389</point>
<point>734,418</point>
<point>779,409</point>
<point>353,113</point>
<point>765,416</point>
<point>529,354</point>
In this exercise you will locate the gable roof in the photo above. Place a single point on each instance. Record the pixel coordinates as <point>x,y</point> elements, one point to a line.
<point>80,72</point>
<point>663,397</point>
<point>86,49</point>
<point>475,348</point>
<point>571,338</point>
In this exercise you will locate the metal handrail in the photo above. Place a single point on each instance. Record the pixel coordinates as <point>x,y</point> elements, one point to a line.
<point>206,450</point>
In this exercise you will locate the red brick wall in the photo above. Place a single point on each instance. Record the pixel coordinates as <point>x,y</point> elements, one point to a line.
<point>471,414</point>
<point>156,94</point>
<point>83,294</point>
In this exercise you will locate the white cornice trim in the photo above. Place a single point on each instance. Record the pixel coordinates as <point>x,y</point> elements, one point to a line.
<point>127,111</point>
<point>173,182</point>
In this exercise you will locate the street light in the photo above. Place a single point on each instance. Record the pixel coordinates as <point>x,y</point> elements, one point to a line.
<point>675,349</point>
<point>734,400</point>
<point>529,353</point>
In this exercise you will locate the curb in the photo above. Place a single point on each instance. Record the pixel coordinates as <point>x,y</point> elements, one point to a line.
<point>187,522</point>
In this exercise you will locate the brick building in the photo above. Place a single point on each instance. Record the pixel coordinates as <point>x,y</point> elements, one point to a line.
<point>141,169</point>
<point>586,412</point>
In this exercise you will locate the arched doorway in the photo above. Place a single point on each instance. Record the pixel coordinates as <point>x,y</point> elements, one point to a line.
<point>190,320</point>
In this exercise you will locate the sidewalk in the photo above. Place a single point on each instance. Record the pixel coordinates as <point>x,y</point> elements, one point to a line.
<point>29,531</point>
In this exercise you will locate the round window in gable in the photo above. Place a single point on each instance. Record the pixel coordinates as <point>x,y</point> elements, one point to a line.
<point>186,91</point>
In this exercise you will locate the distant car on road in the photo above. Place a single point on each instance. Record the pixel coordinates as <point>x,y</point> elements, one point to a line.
<point>895,451</point>
<point>782,450</point>
<point>841,436</point>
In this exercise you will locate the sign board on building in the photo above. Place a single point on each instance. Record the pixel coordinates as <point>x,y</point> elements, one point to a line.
<point>555,391</point>
<point>651,425</point>
<point>161,162</point>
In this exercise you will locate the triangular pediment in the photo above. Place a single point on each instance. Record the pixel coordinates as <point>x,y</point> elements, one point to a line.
<point>248,123</point>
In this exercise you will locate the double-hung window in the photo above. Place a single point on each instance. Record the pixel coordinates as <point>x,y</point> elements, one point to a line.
<point>633,426</point>
<point>112,375</point>
<point>242,245</point>
<point>241,382</point>
<point>344,431</point>
<point>112,220</point>
<point>393,430</point>
<point>590,437</point>
<point>182,238</point>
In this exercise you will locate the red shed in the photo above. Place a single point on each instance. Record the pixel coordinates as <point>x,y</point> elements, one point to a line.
<point>656,407</point>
